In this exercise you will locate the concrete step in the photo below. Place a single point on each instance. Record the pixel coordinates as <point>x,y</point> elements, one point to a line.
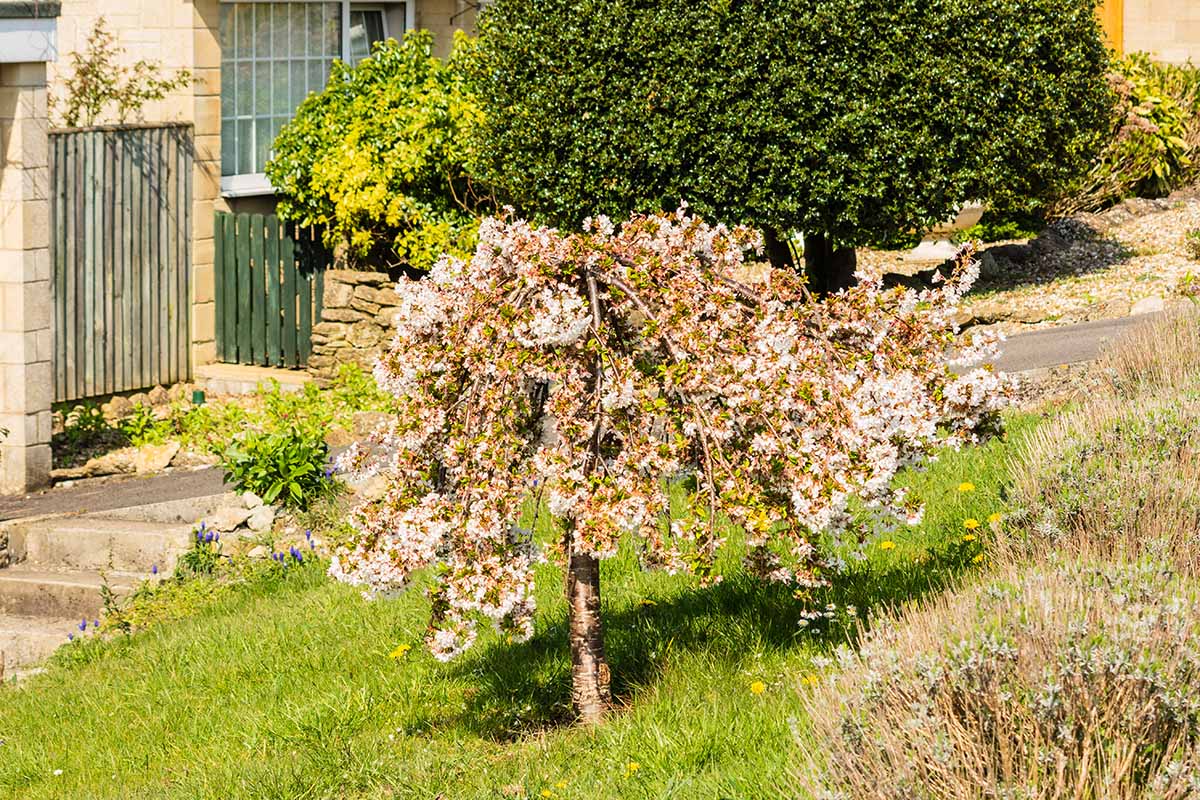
<point>26,590</point>
<point>25,641</point>
<point>92,543</point>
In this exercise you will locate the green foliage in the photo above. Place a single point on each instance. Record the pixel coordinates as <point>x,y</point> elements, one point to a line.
<point>85,433</point>
<point>1191,243</point>
<point>998,226</point>
<point>285,466</point>
<point>860,121</point>
<point>204,556</point>
<point>98,81</point>
<point>1154,142</point>
<point>142,427</point>
<point>378,160</point>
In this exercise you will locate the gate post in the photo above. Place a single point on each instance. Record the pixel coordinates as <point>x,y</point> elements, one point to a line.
<point>26,379</point>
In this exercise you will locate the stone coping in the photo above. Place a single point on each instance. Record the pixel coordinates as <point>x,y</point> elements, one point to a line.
<point>30,9</point>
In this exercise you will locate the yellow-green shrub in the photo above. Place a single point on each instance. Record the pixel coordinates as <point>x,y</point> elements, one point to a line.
<point>378,162</point>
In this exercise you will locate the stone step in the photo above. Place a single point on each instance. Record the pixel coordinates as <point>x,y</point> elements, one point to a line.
<point>27,590</point>
<point>25,641</point>
<point>91,543</point>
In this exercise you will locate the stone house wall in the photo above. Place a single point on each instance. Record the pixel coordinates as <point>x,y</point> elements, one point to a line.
<point>358,320</point>
<point>1167,29</point>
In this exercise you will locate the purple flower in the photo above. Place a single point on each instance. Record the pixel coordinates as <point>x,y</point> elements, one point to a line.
<point>154,569</point>
<point>70,637</point>
<point>308,534</point>
<point>83,625</point>
<point>95,623</point>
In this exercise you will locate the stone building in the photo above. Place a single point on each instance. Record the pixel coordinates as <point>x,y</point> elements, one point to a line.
<point>1167,29</point>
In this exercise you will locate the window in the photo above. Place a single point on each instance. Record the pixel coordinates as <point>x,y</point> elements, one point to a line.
<point>272,55</point>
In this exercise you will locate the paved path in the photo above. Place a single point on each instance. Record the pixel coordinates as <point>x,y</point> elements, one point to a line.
<point>1069,344</point>
<point>105,494</point>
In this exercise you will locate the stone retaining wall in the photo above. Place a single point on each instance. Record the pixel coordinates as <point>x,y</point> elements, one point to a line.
<point>357,321</point>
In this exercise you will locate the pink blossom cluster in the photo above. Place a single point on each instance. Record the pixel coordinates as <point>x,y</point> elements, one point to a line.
<point>593,371</point>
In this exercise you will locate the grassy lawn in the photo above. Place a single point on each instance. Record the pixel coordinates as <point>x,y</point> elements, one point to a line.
<point>287,689</point>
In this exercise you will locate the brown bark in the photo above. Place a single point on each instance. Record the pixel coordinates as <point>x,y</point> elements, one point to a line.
<point>778,252</point>
<point>591,694</point>
<point>829,268</point>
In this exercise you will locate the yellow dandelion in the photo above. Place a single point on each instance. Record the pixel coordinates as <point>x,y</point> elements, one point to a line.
<point>547,793</point>
<point>966,486</point>
<point>560,785</point>
<point>810,680</point>
<point>758,687</point>
<point>995,518</point>
<point>968,537</point>
<point>631,768</point>
<point>887,544</point>
<point>647,602</point>
<point>977,559</point>
<point>401,651</point>
<point>970,523</point>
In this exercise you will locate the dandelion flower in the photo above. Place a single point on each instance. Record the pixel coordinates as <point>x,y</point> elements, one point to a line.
<point>560,785</point>
<point>547,793</point>
<point>977,559</point>
<point>401,651</point>
<point>810,679</point>
<point>758,687</point>
<point>631,768</point>
<point>970,523</point>
<point>887,544</point>
<point>966,486</point>
<point>968,537</point>
<point>995,518</point>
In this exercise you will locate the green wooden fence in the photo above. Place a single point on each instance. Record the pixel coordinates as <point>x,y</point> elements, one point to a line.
<point>121,253</point>
<point>270,278</point>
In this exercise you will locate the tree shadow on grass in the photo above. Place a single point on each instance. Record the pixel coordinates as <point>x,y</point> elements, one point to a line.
<point>523,688</point>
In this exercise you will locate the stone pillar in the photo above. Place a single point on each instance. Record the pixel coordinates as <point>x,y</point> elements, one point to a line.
<point>206,174</point>
<point>26,372</point>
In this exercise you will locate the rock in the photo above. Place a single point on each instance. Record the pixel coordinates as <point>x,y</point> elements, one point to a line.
<point>117,408</point>
<point>337,294</point>
<point>371,489</point>
<point>139,399</point>
<point>370,309</point>
<point>342,315</point>
<point>251,501</point>
<point>338,437</point>
<point>963,318</point>
<point>228,518</point>
<point>180,391</point>
<point>364,336</point>
<point>1049,241</point>
<point>194,459</point>
<point>261,519</point>
<point>158,396</point>
<point>354,276</point>
<point>365,422</point>
<point>989,267</point>
<point>258,552</point>
<point>154,457</point>
<point>1147,305</point>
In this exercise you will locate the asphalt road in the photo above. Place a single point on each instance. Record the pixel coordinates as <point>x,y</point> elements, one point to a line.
<point>1052,347</point>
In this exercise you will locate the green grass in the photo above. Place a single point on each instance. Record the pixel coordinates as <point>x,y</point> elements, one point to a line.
<point>285,688</point>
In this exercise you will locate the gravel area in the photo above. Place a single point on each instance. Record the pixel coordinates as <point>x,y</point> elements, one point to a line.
<point>1129,259</point>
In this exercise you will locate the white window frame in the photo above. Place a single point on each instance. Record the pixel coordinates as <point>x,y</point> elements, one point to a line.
<point>256,184</point>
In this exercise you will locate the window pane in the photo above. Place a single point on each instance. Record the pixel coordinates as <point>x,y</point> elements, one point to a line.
<point>244,77</point>
<point>299,83</point>
<point>317,74</point>
<point>262,88</point>
<point>280,94</point>
<point>226,30</point>
<point>245,143</point>
<point>228,147</point>
<point>262,30</point>
<point>244,31</point>
<point>279,30</point>
<point>333,30</point>
<point>316,41</point>
<point>299,38</point>
<point>263,137</point>
<point>366,28</point>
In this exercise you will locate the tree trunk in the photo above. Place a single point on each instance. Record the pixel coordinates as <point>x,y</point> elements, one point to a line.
<point>830,269</point>
<point>590,679</point>
<point>778,252</point>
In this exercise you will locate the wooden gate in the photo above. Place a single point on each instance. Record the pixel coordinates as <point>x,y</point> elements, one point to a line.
<point>270,278</point>
<point>121,250</point>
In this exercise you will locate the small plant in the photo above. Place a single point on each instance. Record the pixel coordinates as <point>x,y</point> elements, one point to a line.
<point>286,466</point>
<point>1191,243</point>
<point>203,557</point>
<point>142,427</point>
<point>85,432</point>
<point>98,82</point>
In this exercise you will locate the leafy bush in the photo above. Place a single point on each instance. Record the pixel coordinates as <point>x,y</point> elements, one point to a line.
<point>1154,144</point>
<point>284,466</point>
<point>855,123</point>
<point>378,160</point>
<point>1066,682</point>
<point>142,427</point>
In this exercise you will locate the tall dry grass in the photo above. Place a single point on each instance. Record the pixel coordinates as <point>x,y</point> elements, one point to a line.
<point>1119,476</point>
<point>1060,682</point>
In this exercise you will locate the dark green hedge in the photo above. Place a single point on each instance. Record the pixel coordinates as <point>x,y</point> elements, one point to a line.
<point>860,119</point>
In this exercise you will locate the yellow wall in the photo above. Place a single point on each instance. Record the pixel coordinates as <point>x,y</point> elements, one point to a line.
<point>1167,29</point>
<point>1112,18</point>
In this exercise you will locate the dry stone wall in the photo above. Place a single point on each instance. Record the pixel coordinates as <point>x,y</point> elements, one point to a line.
<point>357,321</point>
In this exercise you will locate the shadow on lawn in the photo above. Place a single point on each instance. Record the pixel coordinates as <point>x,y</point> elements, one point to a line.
<point>525,688</point>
